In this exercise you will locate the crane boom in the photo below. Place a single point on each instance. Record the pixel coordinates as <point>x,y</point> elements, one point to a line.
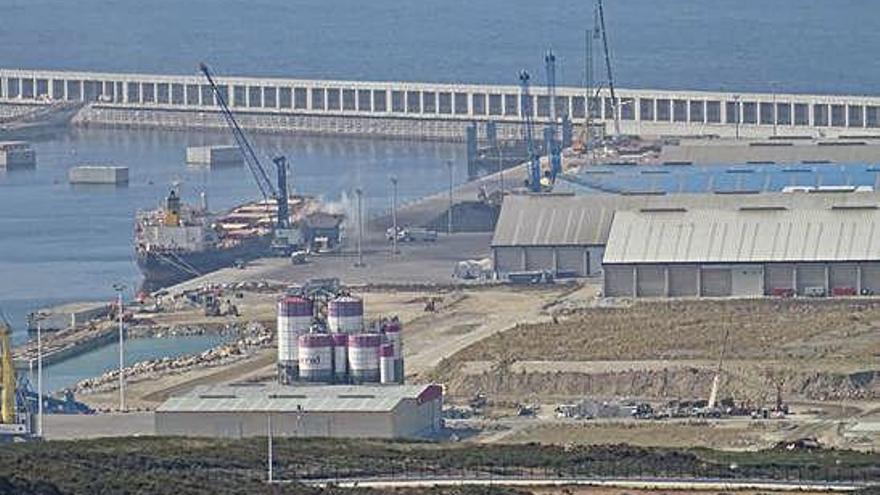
<point>601,10</point>
<point>528,133</point>
<point>553,145</point>
<point>7,377</point>
<point>267,189</point>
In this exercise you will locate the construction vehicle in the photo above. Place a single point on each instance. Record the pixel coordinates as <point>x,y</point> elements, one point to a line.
<point>534,160</point>
<point>711,408</point>
<point>285,239</point>
<point>16,419</point>
<point>551,138</point>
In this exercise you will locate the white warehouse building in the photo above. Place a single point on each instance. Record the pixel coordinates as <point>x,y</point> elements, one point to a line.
<point>567,234</point>
<point>744,252</point>
<point>340,411</point>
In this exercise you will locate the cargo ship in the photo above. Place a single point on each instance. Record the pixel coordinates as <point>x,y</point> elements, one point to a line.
<point>180,241</point>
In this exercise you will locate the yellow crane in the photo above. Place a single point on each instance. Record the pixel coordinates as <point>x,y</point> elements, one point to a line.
<point>7,377</point>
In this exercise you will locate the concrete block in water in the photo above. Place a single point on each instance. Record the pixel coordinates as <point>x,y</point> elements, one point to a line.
<point>90,174</point>
<point>213,156</point>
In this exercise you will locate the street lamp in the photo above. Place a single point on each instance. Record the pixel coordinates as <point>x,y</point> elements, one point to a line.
<point>449,212</point>
<point>39,317</point>
<point>500,166</point>
<point>119,288</point>
<point>394,214</point>
<point>775,117</point>
<point>360,219</point>
<point>736,114</point>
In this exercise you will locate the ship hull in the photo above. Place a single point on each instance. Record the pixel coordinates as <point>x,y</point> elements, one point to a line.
<point>162,269</point>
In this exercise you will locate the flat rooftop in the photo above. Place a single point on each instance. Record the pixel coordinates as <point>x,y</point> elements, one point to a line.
<point>306,398</point>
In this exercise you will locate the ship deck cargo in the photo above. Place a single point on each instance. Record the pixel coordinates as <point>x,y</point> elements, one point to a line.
<point>91,174</point>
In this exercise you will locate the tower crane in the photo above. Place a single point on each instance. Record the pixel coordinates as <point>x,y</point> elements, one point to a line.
<point>554,148</point>
<point>534,181</point>
<point>282,228</point>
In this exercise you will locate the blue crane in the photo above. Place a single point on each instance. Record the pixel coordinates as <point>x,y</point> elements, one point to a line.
<point>264,183</point>
<point>554,148</point>
<point>534,181</point>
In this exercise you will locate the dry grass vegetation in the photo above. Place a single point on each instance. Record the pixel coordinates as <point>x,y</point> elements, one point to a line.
<point>760,329</point>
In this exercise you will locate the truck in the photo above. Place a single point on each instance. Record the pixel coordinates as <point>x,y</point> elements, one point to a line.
<point>410,234</point>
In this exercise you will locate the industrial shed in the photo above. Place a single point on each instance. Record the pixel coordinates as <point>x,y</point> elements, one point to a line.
<point>566,234</point>
<point>744,252</point>
<point>400,411</point>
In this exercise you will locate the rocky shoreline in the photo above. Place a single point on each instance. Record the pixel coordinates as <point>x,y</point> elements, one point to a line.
<point>252,337</point>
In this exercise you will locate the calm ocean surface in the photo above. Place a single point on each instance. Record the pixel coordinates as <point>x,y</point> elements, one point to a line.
<point>59,243</point>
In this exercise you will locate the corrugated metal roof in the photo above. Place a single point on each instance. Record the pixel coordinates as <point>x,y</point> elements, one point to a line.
<point>744,236</point>
<point>579,220</point>
<point>280,398</point>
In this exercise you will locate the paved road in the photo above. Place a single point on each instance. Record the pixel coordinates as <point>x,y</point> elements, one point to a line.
<point>628,483</point>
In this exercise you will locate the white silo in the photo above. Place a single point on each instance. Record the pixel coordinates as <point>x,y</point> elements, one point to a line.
<point>294,319</point>
<point>363,357</point>
<point>340,357</point>
<point>391,329</point>
<point>345,314</point>
<point>316,358</point>
<point>387,374</point>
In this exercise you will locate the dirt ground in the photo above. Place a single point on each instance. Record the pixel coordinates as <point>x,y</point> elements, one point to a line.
<point>460,319</point>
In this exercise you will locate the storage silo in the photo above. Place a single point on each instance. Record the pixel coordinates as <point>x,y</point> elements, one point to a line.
<point>345,314</point>
<point>391,329</point>
<point>387,375</point>
<point>316,358</point>
<point>294,319</point>
<point>363,357</point>
<point>340,357</point>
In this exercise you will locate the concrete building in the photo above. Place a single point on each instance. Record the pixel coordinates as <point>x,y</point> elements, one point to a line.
<point>744,252</point>
<point>567,234</point>
<point>404,411</point>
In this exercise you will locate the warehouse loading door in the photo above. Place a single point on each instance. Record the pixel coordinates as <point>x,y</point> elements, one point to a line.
<point>508,259</point>
<point>618,281</point>
<point>811,280</point>
<point>779,279</point>
<point>651,281</point>
<point>572,260</point>
<point>717,282</point>
<point>683,281</point>
<point>747,280</point>
<point>540,258</point>
<point>871,278</point>
<point>844,279</point>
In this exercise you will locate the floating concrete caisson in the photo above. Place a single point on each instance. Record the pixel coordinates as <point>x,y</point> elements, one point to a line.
<point>90,174</point>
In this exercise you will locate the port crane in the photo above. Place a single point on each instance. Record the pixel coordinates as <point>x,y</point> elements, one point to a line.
<point>534,159</point>
<point>553,145</point>
<point>600,10</point>
<point>16,421</point>
<point>282,228</point>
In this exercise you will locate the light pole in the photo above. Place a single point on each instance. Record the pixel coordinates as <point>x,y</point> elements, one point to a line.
<point>775,117</point>
<point>39,377</point>
<point>119,288</point>
<point>449,212</point>
<point>269,435</point>
<point>394,214</point>
<point>500,167</point>
<point>360,219</point>
<point>736,114</point>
